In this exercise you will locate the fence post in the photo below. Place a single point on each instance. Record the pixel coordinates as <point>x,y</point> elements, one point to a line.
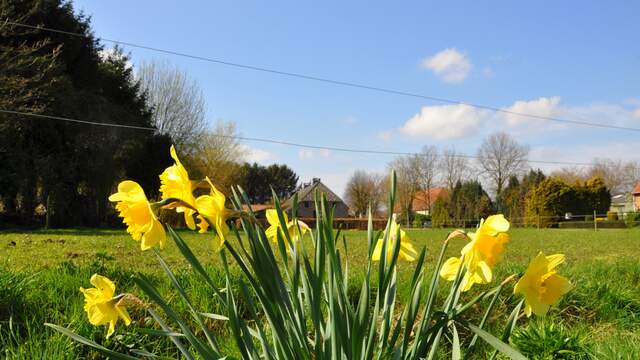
<point>47,213</point>
<point>595,221</point>
<point>538,221</point>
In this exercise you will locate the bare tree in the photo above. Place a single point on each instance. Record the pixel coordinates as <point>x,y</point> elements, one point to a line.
<point>409,179</point>
<point>219,155</point>
<point>363,190</point>
<point>178,102</point>
<point>618,176</point>
<point>429,171</point>
<point>570,175</point>
<point>501,156</point>
<point>631,175</point>
<point>454,167</point>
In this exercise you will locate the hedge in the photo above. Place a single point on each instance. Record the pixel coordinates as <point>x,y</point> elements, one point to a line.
<point>589,225</point>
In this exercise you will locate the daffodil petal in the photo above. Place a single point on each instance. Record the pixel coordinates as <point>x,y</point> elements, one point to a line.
<point>495,224</point>
<point>555,286</point>
<point>103,284</point>
<point>377,251</point>
<point>450,268</point>
<point>554,261</point>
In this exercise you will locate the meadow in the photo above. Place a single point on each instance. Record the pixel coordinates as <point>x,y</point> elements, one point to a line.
<point>41,272</point>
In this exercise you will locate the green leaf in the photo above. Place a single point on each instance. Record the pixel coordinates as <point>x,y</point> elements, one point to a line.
<point>193,260</point>
<point>154,332</point>
<point>144,284</point>
<point>174,339</point>
<point>497,343</point>
<point>185,298</point>
<point>215,316</point>
<point>456,353</point>
<point>486,315</point>
<point>85,341</point>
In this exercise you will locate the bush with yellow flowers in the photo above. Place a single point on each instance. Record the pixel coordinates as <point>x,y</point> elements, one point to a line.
<point>296,297</point>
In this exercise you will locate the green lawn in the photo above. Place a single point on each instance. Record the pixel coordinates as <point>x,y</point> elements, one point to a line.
<point>41,271</point>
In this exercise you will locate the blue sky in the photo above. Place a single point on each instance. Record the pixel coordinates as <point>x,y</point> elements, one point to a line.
<point>569,59</point>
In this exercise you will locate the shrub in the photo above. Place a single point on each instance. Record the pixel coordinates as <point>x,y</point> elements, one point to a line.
<point>632,219</point>
<point>551,197</point>
<point>545,339</point>
<point>589,225</point>
<point>440,212</point>
<point>554,197</point>
<point>419,220</point>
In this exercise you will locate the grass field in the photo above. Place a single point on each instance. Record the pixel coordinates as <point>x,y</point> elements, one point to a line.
<point>41,271</point>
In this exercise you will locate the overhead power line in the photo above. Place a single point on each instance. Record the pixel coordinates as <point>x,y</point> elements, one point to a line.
<point>330,81</point>
<point>60,118</point>
<point>279,142</point>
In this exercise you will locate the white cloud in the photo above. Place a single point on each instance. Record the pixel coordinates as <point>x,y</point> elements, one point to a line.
<point>443,122</point>
<point>450,65</point>
<point>257,155</point>
<point>544,107</point>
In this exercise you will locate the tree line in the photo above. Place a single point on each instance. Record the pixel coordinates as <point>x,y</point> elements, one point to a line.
<point>513,187</point>
<point>63,172</point>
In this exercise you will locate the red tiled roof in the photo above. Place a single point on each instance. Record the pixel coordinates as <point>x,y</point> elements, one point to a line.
<point>636,190</point>
<point>425,198</point>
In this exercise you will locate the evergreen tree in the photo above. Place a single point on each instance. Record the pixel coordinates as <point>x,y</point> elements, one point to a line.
<point>468,203</point>
<point>72,168</point>
<point>258,180</point>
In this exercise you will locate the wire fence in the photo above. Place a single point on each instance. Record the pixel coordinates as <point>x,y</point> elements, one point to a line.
<point>593,221</point>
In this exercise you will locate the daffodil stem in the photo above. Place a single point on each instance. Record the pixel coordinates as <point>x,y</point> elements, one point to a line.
<point>450,304</point>
<point>486,316</point>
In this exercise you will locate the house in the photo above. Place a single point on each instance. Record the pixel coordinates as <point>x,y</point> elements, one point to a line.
<point>636,197</point>
<point>306,200</point>
<point>423,200</point>
<point>622,203</point>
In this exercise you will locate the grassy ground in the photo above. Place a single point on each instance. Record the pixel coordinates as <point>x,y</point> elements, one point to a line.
<point>41,271</point>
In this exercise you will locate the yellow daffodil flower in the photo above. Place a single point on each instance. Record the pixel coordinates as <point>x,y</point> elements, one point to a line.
<point>541,286</point>
<point>481,254</point>
<point>212,208</point>
<point>175,183</point>
<point>101,306</point>
<point>292,227</point>
<point>137,214</point>
<point>407,251</point>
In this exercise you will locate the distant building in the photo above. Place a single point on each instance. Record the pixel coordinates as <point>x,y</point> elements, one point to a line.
<point>306,200</point>
<point>622,203</point>
<point>424,199</point>
<point>626,202</point>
